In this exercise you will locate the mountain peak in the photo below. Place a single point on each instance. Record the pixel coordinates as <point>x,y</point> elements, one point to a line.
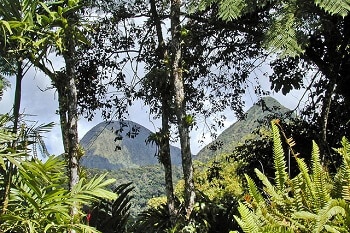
<point>226,141</point>
<point>120,144</point>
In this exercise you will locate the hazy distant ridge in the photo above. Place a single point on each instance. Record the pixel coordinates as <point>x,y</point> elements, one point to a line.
<point>237,131</point>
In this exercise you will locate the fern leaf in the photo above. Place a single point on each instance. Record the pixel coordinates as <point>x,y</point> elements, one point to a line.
<point>342,180</point>
<point>299,193</point>
<point>282,36</point>
<point>341,183</point>
<point>269,188</point>
<point>338,7</point>
<point>253,190</point>
<point>319,177</point>
<point>331,229</point>
<point>248,221</point>
<point>330,210</point>
<point>279,160</point>
<point>231,9</point>
<point>306,215</point>
<point>277,229</point>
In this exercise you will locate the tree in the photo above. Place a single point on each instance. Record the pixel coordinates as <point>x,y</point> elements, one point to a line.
<point>4,84</point>
<point>183,121</point>
<point>48,25</point>
<point>309,36</point>
<point>198,37</point>
<point>17,17</point>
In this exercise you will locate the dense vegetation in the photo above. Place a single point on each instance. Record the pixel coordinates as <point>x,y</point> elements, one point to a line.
<point>148,182</point>
<point>187,62</point>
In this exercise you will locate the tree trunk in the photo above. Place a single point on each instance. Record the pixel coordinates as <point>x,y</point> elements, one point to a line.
<point>18,93</point>
<point>72,116</point>
<point>62,111</point>
<point>16,109</point>
<point>164,146</point>
<point>326,106</point>
<point>180,106</point>
<point>166,161</point>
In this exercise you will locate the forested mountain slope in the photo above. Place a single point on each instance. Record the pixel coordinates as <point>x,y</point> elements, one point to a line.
<point>120,144</point>
<point>265,109</point>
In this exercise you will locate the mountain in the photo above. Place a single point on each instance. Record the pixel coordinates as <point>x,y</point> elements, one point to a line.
<point>267,108</point>
<point>120,144</point>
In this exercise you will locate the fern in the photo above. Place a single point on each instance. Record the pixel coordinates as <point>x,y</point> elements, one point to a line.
<point>319,178</point>
<point>253,191</point>
<point>269,188</point>
<point>303,204</point>
<point>279,161</point>
<point>342,180</point>
<point>338,7</point>
<point>298,193</point>
<point>249,221</point>
<point>231,9</point>
<point>329,211</point>
<point>306,181</point>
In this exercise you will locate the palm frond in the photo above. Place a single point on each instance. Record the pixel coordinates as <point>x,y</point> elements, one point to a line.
<point>107,215</point>
<point>92,190</point>
<point>40,202</point>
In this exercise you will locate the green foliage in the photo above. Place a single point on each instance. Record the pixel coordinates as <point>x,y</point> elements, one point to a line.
<point>217,179</point>
<point>112,216</point>
<point>279,161</point>
<point>153,220</point>
<point>8,154</point>
<point>306,203</point>
<point>39,201</point>
<point>231,9</point>
<point>207,216</point>
<point>284,34</point>
<point>148,182</point>
<point>342,178</point>
<point>4,84</point>
<point>339,7</point>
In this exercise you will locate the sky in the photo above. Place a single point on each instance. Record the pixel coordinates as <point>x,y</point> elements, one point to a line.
<point>39,104</point>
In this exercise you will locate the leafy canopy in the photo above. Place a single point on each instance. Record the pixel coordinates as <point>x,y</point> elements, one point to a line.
<point>287,22</point>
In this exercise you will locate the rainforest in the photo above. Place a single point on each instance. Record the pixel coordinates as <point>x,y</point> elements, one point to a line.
<point>191,63</point>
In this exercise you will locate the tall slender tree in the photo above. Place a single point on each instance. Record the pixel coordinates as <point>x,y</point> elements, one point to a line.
<point>183,122</point>
<point>166,104</point>
<point>47,25</point>
<point>17,16</point>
